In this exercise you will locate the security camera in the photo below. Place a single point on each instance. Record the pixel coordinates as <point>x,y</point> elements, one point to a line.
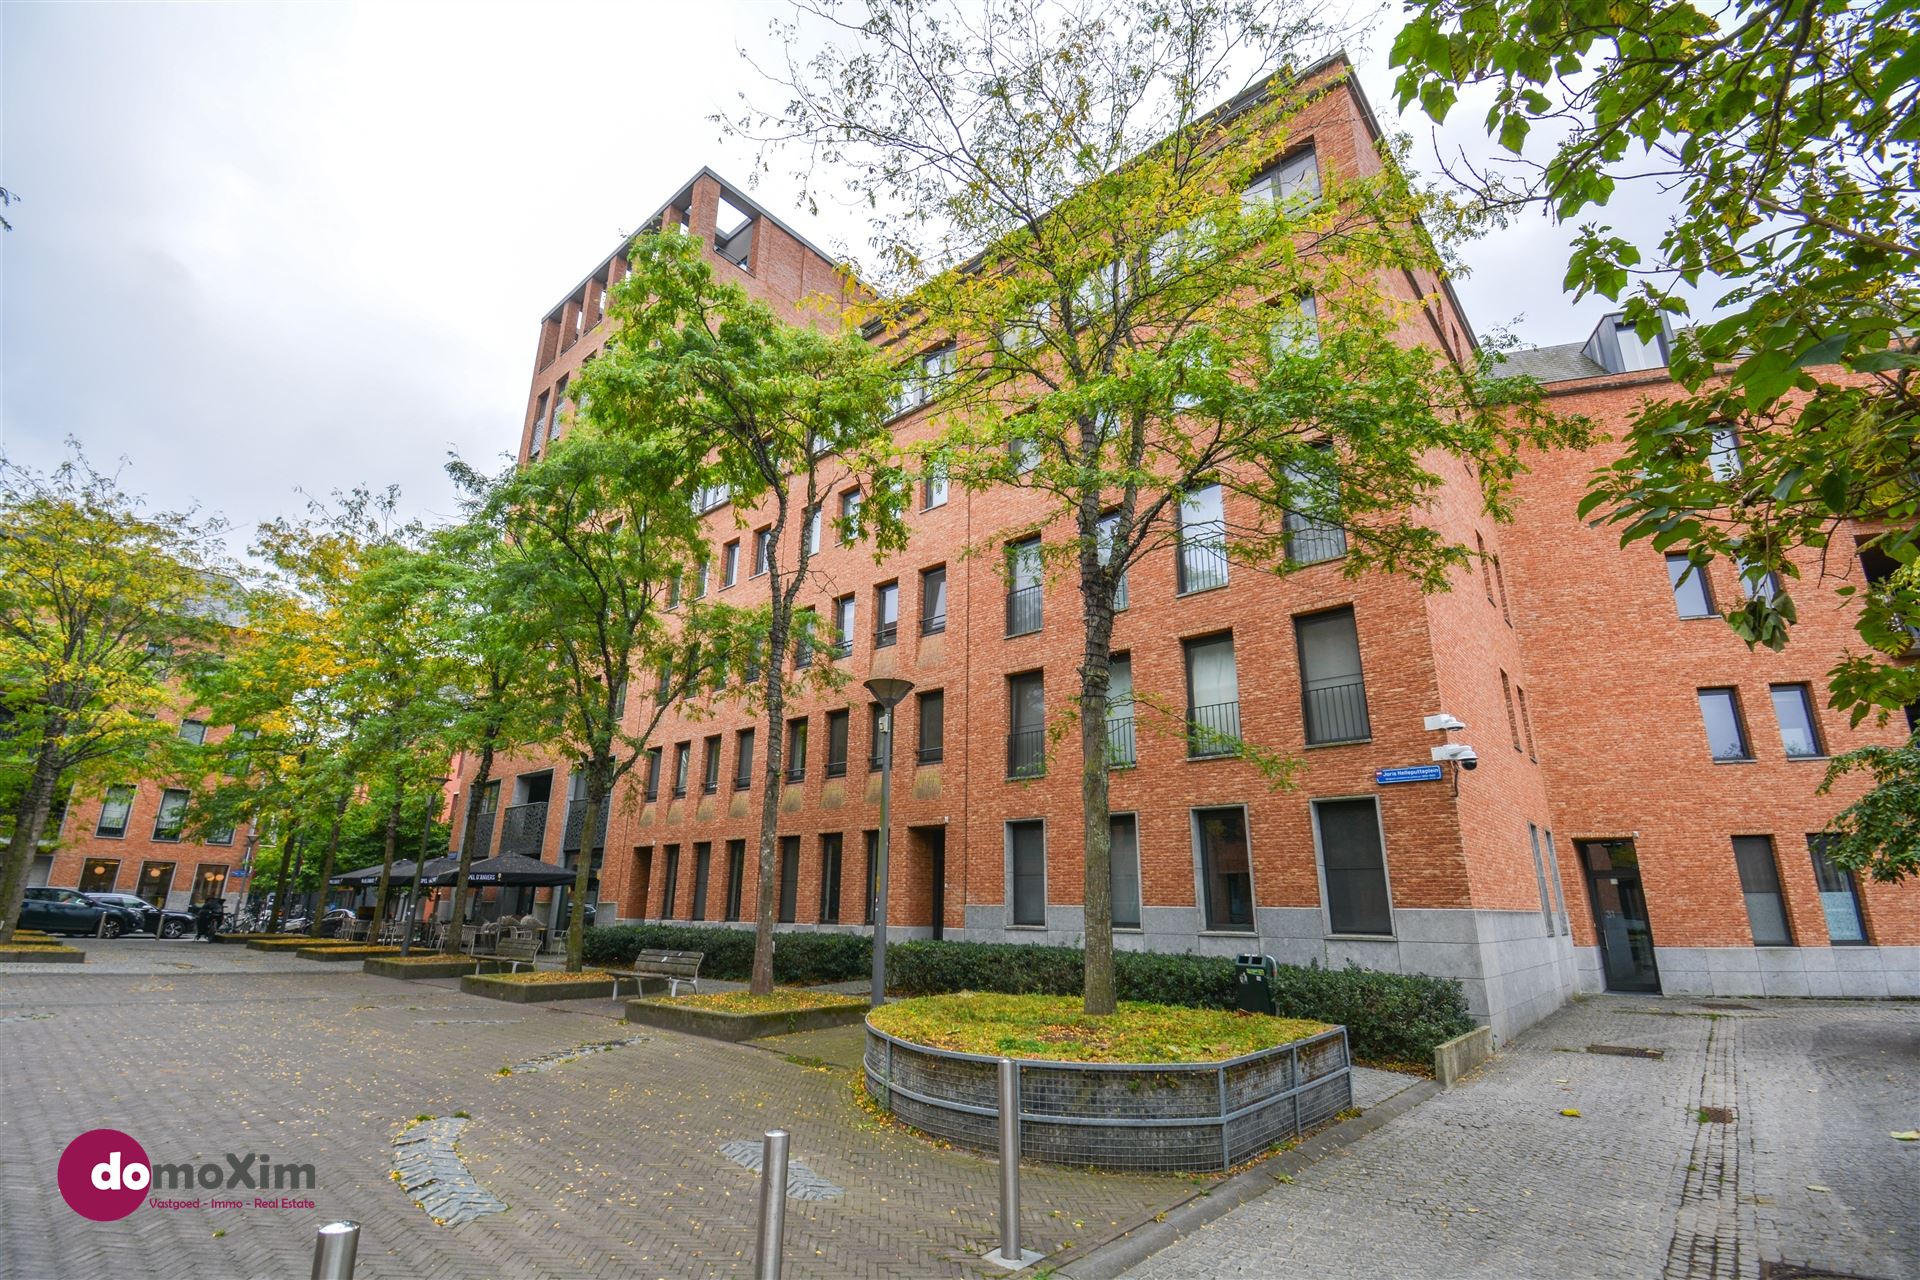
<point>1458,752</point>
<point>1443,723</point>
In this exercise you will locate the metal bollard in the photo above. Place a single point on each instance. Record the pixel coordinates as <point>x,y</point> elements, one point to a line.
<point>773,1204</point>
<point>1010,1255</point>
<point>334,1249</point>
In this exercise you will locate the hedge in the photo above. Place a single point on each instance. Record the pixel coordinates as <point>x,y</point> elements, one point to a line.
<point>1390,1017</point>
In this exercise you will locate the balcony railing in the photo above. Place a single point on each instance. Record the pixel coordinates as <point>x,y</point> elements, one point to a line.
<point>931,755</point>
<point>577,822</point>
<point>523,829</point>
<point>1310,541</point>
<point>1026,753</point>
<point>710,786</point>
<point>742,781</point>
<point>1213,730</point>
<point>1023,611</point>
<point>1203,565</point>
<point>836,768</point>
<point>886,635</point>
<point>933,626</point>
<point>843,648</point>
<point>802,656</point>
<point>797,773</point>
<point>1120,742</point>
<point>876,762</point>
<point>1337,713</point>
<point>483,838</point>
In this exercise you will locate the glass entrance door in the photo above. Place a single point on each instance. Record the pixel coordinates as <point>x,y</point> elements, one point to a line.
<point>1620,914</point>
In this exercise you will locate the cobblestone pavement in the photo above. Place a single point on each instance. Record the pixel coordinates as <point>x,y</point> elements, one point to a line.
<point>1490,1180</point>
<point>611,1164</point>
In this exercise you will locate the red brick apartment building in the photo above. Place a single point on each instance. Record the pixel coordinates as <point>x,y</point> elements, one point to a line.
<point>1599,843</point>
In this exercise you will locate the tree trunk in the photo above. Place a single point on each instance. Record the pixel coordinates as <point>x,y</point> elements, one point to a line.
<point>762,977</point>
<point>326,862</point>
<point>386,860</point>
<point>29,820</point>
<point>468,838</point>
<point>1095,671</point>
<point>597,771</point>
<point>287,859</point>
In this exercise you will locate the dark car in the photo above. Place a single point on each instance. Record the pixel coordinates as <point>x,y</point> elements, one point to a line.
<point>147,917</point>
<point>70,911</point>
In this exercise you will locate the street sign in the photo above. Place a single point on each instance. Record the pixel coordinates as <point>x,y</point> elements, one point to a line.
<point>1409,773</point>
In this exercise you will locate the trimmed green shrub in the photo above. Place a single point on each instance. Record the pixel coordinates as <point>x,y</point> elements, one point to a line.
<point>797,957</point>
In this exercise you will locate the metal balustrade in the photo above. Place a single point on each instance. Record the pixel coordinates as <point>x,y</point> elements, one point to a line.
<point>1203,565</point>
<point>1213,730</point>
<point>1026,753</point>
<point>1120,745</point>
<point>577,822</point>
<point>523,829</point>
<point>1023,611</point>
<point>1311,541</point>
<point>1337,712</point>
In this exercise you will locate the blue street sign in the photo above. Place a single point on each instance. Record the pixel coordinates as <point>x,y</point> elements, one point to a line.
<point>1408,773</point>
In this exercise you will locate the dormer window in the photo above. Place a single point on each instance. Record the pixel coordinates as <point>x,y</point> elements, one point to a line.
<point>1616,347</point>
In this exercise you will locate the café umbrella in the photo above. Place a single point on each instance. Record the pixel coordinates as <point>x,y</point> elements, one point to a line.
<point>512,870</point>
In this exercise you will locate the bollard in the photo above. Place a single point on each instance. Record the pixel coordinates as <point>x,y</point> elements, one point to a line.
<point>333,1251</point>
<point>1010,1255</point>
<point>773,1204</point>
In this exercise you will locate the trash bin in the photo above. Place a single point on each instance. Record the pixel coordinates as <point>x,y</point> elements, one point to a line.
<point>1253,978</point>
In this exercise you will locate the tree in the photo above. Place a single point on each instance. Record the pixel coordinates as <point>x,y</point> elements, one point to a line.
<point>1124,288</point>
<point>768,412</point>
<point>1788,136</point>
<point>593,534</point>
<point>103,604</point>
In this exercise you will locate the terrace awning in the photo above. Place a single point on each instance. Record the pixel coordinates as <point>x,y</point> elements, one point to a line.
<point>510,869</point>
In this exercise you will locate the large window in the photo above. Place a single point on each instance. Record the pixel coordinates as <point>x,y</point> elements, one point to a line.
<point>743,760</point>
<point>209,884</point>
<point>879,737</point>
<point>670,884</point>
<point>1726,733</point>
<point>115,810</point>
<point>886,608</point>
<point>682,756</point>
<point>1027,871</point>
<point>1023,587</point>
<point>1203,540</point>
<point>702,872</point>
<point>1109,528</point>
<point>736,875</point>
<point>1120,740</point>
<point>797,749</point>
<point>1760,885</point>
<point>653,773</point>
<point>933,488</point>
<point>1027,734</point>
<point>1213,698</point>
<point>99,875</point>
<point>1355,866</point>
<point>1793,706</point>
<point>837,722</point>
<point>1540,877</point>
<point>933,600</point>
<point>849,515</point>
<point>762,551</point>
<point>789,877</point>
<point>1226,868</point>
<point>1313,504</point>
<point>843,622</point>
<point>194,731</point>
<point>710,765</point>
<point>730,563</point>
<point>830,854</point>
<point>1839,895</point>
<point>172,818</point>
<point>933,727</point>
<point>872,876</point>
<point>1295,180</point>
<point>1691,594</point>
<point>1332,691</point>
<point>1124,867</point>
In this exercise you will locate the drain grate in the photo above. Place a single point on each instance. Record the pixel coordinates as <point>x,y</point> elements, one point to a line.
<point>1626,1051</point>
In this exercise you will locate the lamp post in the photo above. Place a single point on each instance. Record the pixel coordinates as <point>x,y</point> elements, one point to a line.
<point>419,865</point>
<point>888,693</point>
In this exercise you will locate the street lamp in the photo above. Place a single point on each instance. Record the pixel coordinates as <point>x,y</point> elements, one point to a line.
<point>419,865</point>
<point>888,693</point>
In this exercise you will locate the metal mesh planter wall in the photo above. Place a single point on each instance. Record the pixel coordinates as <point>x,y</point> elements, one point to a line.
<point>1205,1117</point>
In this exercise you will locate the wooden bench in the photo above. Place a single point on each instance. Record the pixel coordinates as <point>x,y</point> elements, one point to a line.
<point>515,950</point>
<point>671,967</point>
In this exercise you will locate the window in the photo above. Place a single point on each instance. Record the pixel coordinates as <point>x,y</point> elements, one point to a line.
<point>194,731</point>
<point>1500,583</point>
<point>1793,706</point>
<point>1486,565</point>
<point>1296,328</point>
<point>1355,866</point>
<point>873,875</point>
<point>813,530</point>
<point>701,573</point>
<point>743,760</point>
<point>673,591</point>
<point>1839,894</point>
<point>886,630</point>
<point>1313,493</point>
<point>762,551</point>
<point>670,885</point>
<point>115,810</point>
<point>1203,540</point>
<point>789,877</point>
<point>879,737</point>
<point>1027,736</point>
<point>209,884</point>
<point>849,516</point>
<point>933,600</point>
<point>220,835</point>
<point>539,438</point>
<point>1540,876</point>
<point>172,818</point>
<point>1332,689</point>
<point>682,754</point>
<point>1723,454</point>
<point>803,628</point>
<point>1108,529</point>
<point>736,875</point>
<point>1024,454</point>
<point>1553,878</point>
<point>1760,885</point>
<point>1213,698</point>
<point>797,749</point>
<point>702,869</point>
<point>924,377</point>
<point>1526,721</point>
<point>830,851</point>
<point>933,727</point>
<point>100,875</point>
<point>1757,581</point>
<point>1226,868</point>
<point>1513,721</point>
<point>843,611</point>
<point>1030,329</point>
<point>1123,842</point>
<point>837,743</point>
<point>1120,740</point>
<point>1691,595</point>
<point>1027,871</point>
<point>1023,587</point>
<point>1726,735</point>
<point>933,489</point>
<point>710,766</point>
<point>1295,181</point>
<point>711,497</point>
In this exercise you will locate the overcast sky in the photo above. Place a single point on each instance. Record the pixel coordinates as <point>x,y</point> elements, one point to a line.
<point>271,248</point>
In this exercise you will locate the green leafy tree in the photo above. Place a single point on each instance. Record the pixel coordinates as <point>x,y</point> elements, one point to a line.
<point>1788,137</point>
<point>104,603</point>
<point>778,415</point>
<point>1154,296</point>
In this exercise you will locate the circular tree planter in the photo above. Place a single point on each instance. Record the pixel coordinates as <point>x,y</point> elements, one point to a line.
<point>1189,1117</point>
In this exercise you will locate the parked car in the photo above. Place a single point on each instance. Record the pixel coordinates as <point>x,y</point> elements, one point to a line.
<point>70,911</point>
<point>331,922</point>
<point>147,917</point>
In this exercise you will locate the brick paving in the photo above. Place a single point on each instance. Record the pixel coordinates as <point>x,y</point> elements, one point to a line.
<point>611,1165</point>
<point>1489,1180</point>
